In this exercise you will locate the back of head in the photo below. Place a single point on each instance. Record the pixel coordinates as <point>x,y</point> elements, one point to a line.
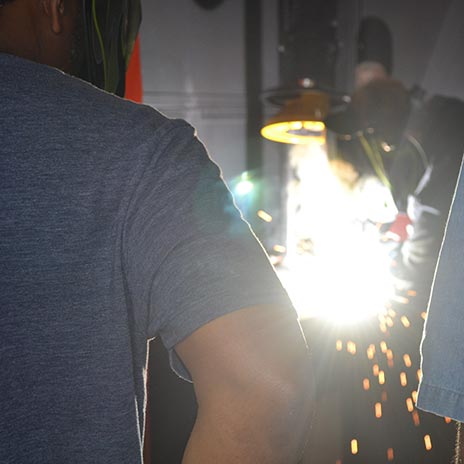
<point>92,39</point>
<point>383,105</point>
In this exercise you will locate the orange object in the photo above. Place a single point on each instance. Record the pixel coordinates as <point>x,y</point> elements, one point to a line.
<point>134,86</point>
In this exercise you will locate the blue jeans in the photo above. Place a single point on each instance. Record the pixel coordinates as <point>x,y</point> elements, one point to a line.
<point>441,389</point>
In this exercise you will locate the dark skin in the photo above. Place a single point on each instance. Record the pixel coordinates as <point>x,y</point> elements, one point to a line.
<point>250,368</point>
<point>40,30</point>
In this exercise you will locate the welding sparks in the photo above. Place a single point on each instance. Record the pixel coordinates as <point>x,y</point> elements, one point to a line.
<point>354,263</point>
<point>428,442</point>
<point>371,352</point>
<point>351,348</point>
<point>407,360</point>
<point>381,377</point>
<point>403,379</point>
<point>405,322</point>
<point>279,248</point>
<point>392,313</point>
<point>328,272</point>
<point>266,217</point>
<point>410,405</point>
<point>400,299</point>
<point>378,410</point>
<point>390,454</point>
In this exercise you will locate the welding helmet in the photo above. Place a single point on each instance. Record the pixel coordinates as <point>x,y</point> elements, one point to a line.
<point>110,31</point>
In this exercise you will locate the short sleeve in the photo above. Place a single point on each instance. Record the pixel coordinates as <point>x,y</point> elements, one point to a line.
<point>190,256</point>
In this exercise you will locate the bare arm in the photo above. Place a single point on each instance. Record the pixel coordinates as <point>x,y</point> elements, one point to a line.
<point>251,376</point>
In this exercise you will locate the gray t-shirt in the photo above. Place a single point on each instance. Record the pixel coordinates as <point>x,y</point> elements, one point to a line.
<point>115,227</point>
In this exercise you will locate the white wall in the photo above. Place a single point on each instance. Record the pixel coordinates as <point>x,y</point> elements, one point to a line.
<point>445,73</point>
<point>193,68</point>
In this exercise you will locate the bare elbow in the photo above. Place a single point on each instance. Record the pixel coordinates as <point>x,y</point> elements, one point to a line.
<point>290,409</point>
<point>254,390</point>
<point>274,405</point>
<point>261,419</point>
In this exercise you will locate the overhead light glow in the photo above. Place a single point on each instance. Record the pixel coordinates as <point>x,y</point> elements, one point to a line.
<point>300,121</point>
<point>295,132</point>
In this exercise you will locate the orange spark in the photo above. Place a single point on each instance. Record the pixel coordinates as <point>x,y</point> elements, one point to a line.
<point>403,379</point>
<point>381,377</point>
<point>266,217</point>
<point>351,348</point>
<point>407,360</point>
<point>428,442</point>
<point>383,347</point>
<point>279,249</point>
<point>390,454</point>
<point>410,405</point>
<point>405,321</point>
<point>371,352</point>
<point>378,410</point>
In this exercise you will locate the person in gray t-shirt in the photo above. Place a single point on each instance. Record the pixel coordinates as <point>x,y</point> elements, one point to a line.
<point>116,227</point>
